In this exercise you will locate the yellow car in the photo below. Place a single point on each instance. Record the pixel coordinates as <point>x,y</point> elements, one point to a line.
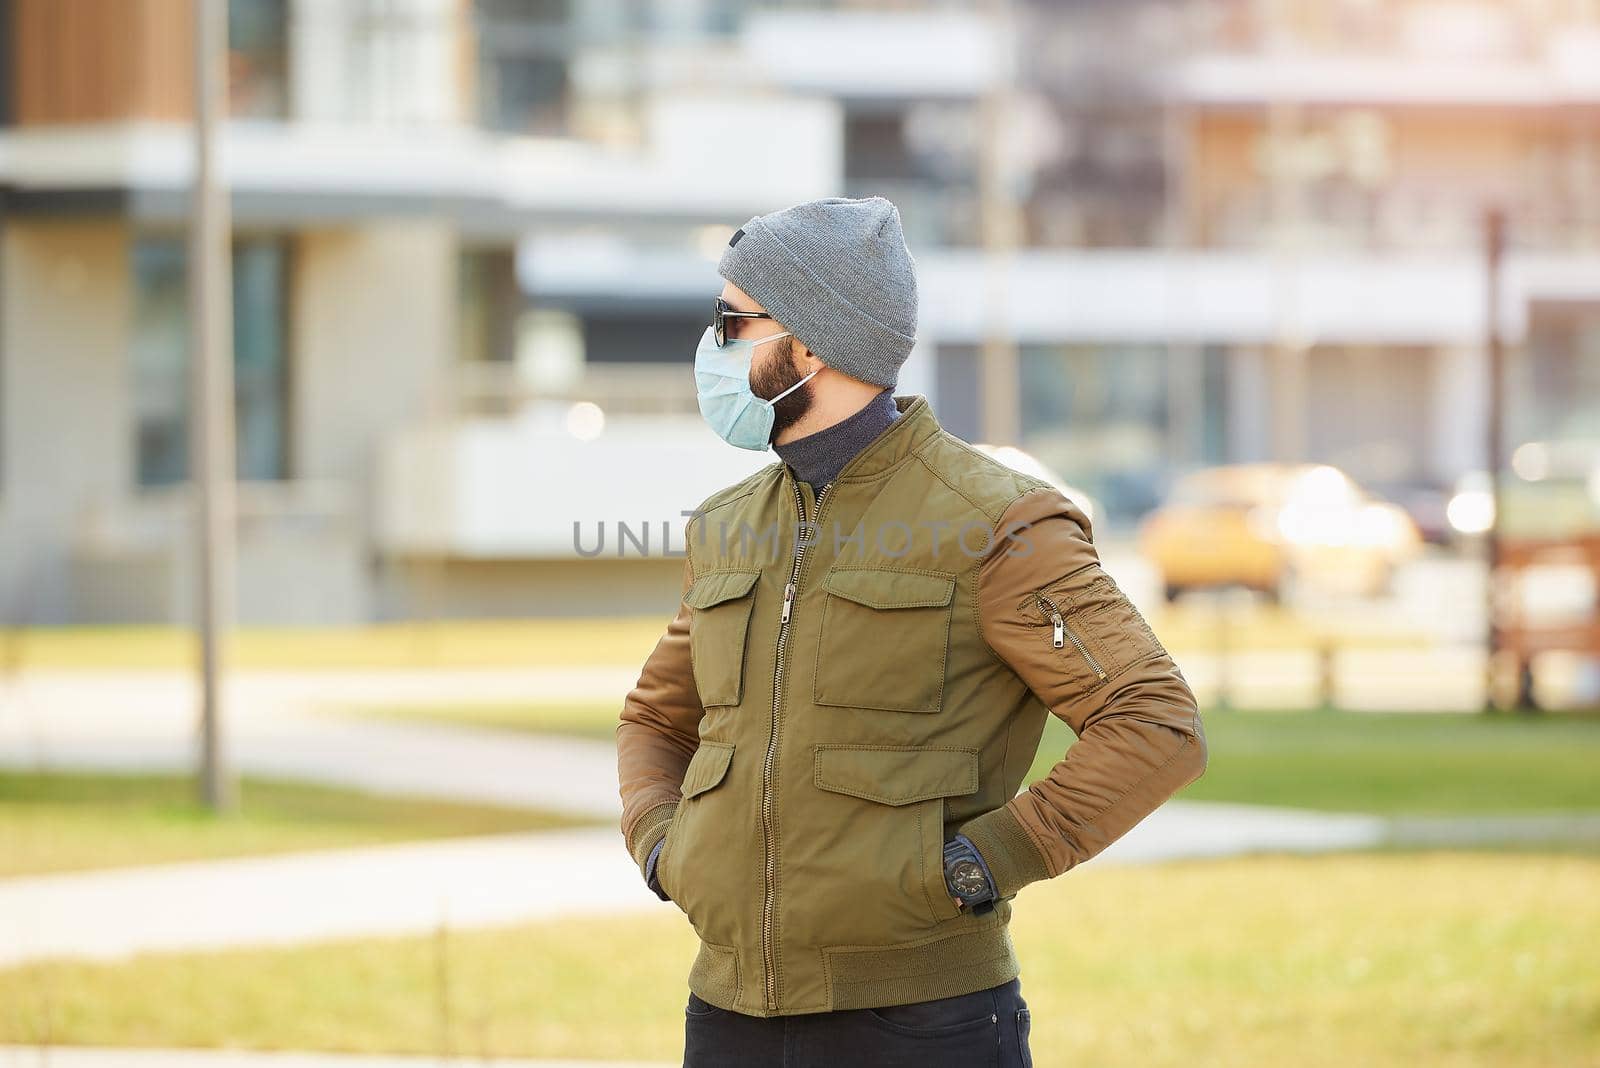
<point>1265,525</point>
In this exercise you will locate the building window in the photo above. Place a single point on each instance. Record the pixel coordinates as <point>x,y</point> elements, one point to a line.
<point>524,49</point>
<point>663,335</point>
<point>258,59</point>
<point>1554,380</point>
<point>160,359</point>
<point>1097,414</point>
<point>490,303</point>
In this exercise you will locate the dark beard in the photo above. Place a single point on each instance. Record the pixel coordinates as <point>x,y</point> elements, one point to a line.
<point>776,375</point>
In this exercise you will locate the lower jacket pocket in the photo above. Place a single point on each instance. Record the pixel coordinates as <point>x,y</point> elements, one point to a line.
<point>873,836</point>
<point>684,849</point>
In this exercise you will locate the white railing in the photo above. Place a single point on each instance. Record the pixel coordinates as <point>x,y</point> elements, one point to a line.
<point>160,517</point>
<point>496,388</point>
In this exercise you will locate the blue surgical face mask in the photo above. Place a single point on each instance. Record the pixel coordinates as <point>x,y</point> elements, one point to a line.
<point>722,384</point>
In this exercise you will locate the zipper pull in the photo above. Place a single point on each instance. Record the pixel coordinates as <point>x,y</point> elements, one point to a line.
<point>788,601</point>
<point>1058,637</point>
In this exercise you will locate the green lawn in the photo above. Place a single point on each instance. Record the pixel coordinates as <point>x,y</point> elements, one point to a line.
<point>1386,763</point>
<point>1391,764</point>
<point>1398,960</point>
<point>69,822</point>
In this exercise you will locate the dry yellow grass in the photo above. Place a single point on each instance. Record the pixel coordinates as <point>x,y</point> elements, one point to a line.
<point>529,642</point>
<point>1443,960</point>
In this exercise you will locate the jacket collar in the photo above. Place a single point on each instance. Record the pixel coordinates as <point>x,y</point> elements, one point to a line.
<point>898,441</point>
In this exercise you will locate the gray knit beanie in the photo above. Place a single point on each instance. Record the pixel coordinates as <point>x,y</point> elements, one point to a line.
<point>837,274</point>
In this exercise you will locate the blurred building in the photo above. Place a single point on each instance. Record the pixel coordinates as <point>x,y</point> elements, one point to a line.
<point>1337,160</point>
<point>476,242</point>
<point>407,441</point>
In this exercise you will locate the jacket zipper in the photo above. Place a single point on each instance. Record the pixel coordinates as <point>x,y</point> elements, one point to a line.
<point>1062,630</point>
<point>772,742</point>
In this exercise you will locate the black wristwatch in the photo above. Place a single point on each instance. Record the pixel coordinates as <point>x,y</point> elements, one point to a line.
<point>967,876</point>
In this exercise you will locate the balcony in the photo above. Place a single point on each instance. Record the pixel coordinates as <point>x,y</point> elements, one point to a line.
<point>300,556</point>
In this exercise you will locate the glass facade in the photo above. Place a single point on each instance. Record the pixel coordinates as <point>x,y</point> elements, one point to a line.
<point>1097,415</point>
<point>489,304</point>
<point>1555,378</point>
<point>524,54</point>
<point>160,359</point>
<point>258,59</point>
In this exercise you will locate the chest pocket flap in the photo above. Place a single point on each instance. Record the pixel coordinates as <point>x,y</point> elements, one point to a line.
<point>884,636</point>
<point>882,587</point>
<point>896,775</point>
<point>717,586</point>
<point>722,603</point>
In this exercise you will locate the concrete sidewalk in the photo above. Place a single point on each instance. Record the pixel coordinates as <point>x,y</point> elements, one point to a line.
<point>411,888</point>
<point>401,889</point>
<point>73,1057</point>
<point>276,726</point>
<point>138,720</point>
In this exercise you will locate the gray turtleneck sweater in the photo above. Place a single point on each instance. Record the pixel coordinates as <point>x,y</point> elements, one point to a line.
<point>817,458</point>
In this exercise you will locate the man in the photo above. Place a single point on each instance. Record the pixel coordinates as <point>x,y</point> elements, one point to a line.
<point>821,760</point>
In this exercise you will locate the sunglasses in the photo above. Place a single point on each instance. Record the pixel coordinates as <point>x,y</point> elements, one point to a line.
<point>725,311</point>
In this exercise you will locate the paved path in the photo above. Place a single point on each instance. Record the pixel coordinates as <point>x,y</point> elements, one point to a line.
<point>71,1057</point>
<point>126,721</point>
<point>145,720</point>
<point>375,890</point>
<point>411,888</point>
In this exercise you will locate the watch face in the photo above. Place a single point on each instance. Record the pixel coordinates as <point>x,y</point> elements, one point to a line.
<point>967,878</point>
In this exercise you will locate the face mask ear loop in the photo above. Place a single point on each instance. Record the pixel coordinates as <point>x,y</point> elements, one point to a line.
<point>763,340</point>
<point>792,388</point>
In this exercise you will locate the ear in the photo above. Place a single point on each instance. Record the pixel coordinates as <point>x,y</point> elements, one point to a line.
<point>808,360</point>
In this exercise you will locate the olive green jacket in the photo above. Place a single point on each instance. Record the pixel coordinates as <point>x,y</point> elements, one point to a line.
<point>826,710</point>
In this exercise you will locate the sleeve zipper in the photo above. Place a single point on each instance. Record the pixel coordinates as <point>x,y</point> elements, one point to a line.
<point>1062,631</point>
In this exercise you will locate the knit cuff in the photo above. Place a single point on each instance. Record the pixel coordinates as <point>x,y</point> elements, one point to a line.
<point>651,828</point>
<point>1003,842</point>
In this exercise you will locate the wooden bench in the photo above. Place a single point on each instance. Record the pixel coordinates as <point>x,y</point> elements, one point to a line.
<point>1521,639</point>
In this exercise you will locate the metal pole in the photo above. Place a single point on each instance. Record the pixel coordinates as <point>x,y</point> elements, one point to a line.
<point>1290,348</point>
<point>1494,224</point>
<point>1185,400</point>
<point>211,395</point>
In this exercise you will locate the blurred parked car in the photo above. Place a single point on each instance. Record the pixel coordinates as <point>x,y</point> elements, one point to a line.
<point>1021,460</point>
<point>1426,502</point>
<point>1550,489</point>
<point>1264,525</point>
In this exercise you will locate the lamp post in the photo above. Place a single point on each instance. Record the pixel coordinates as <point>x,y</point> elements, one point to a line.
<point>1494,231</point>
<point>211,394</point>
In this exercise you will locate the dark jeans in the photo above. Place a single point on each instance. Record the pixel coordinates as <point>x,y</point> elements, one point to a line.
<point>984,1029</point>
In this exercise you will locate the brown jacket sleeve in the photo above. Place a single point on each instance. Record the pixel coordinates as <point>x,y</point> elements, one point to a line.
<point>1140,738</point>
<point>658,733</point>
